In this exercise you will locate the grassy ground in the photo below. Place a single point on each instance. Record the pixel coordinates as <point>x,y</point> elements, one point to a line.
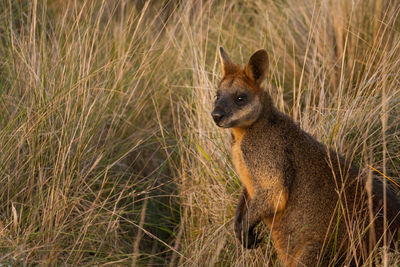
<point>109,155</point>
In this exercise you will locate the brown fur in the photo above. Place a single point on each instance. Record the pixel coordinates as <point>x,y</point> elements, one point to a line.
<point>292,183</point>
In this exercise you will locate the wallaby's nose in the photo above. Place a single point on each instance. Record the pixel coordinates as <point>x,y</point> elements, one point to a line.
<point>217,115</point>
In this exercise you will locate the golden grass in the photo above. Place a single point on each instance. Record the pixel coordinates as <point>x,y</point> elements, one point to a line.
<point>109,154</point>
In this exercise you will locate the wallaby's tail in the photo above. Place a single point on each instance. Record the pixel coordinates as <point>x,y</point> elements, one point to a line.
<point>393,210</point>
<point>392,204</point>
<point>392,201</point>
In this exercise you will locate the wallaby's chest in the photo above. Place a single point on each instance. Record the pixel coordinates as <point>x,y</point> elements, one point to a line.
<point>259,161</point>
<point>239,162</point>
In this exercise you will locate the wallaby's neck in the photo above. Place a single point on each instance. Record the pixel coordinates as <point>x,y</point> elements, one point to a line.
<point>269,109</point>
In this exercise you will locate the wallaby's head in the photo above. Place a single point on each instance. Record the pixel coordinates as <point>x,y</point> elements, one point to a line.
<point>239,99</point>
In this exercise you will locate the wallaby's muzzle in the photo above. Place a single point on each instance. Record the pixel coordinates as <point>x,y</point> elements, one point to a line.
<point>218,115</point>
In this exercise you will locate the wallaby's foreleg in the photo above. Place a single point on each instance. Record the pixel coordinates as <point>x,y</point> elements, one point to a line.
<point>247,238</point>
<point>250,212</point>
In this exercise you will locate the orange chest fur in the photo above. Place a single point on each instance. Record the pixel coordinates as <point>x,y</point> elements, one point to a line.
<point>239,163</point>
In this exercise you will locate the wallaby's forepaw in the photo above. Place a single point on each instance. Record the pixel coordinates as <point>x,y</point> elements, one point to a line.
<point>248,239</point>
<point>252,241</point>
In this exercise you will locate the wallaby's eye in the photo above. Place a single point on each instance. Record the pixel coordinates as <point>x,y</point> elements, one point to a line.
<point>217,97</point>
<point>241,99</point>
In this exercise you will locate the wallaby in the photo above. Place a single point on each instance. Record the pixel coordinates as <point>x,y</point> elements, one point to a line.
<point>310,197</point>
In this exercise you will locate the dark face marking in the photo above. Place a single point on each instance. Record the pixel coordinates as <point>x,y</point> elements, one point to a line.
<point>237,103</point>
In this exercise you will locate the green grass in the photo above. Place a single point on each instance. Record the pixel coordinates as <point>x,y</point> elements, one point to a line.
<point>109,154</point>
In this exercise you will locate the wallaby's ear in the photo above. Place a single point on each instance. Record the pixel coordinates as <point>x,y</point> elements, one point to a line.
<point>257,67</point>
<point>228,67</point>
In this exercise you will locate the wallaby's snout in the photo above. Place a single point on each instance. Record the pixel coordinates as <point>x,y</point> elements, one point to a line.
<point>222,111</point>
<point>218,114</point>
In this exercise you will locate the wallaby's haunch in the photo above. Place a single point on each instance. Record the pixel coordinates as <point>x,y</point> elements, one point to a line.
<point>312,200</point>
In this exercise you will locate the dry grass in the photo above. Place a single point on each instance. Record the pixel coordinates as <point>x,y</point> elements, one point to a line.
<point>109,155</point>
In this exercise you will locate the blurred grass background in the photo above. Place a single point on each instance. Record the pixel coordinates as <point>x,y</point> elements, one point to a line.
<point>109,154</point>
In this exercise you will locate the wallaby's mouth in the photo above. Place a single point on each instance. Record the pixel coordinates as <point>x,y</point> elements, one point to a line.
<point>221,124</point>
